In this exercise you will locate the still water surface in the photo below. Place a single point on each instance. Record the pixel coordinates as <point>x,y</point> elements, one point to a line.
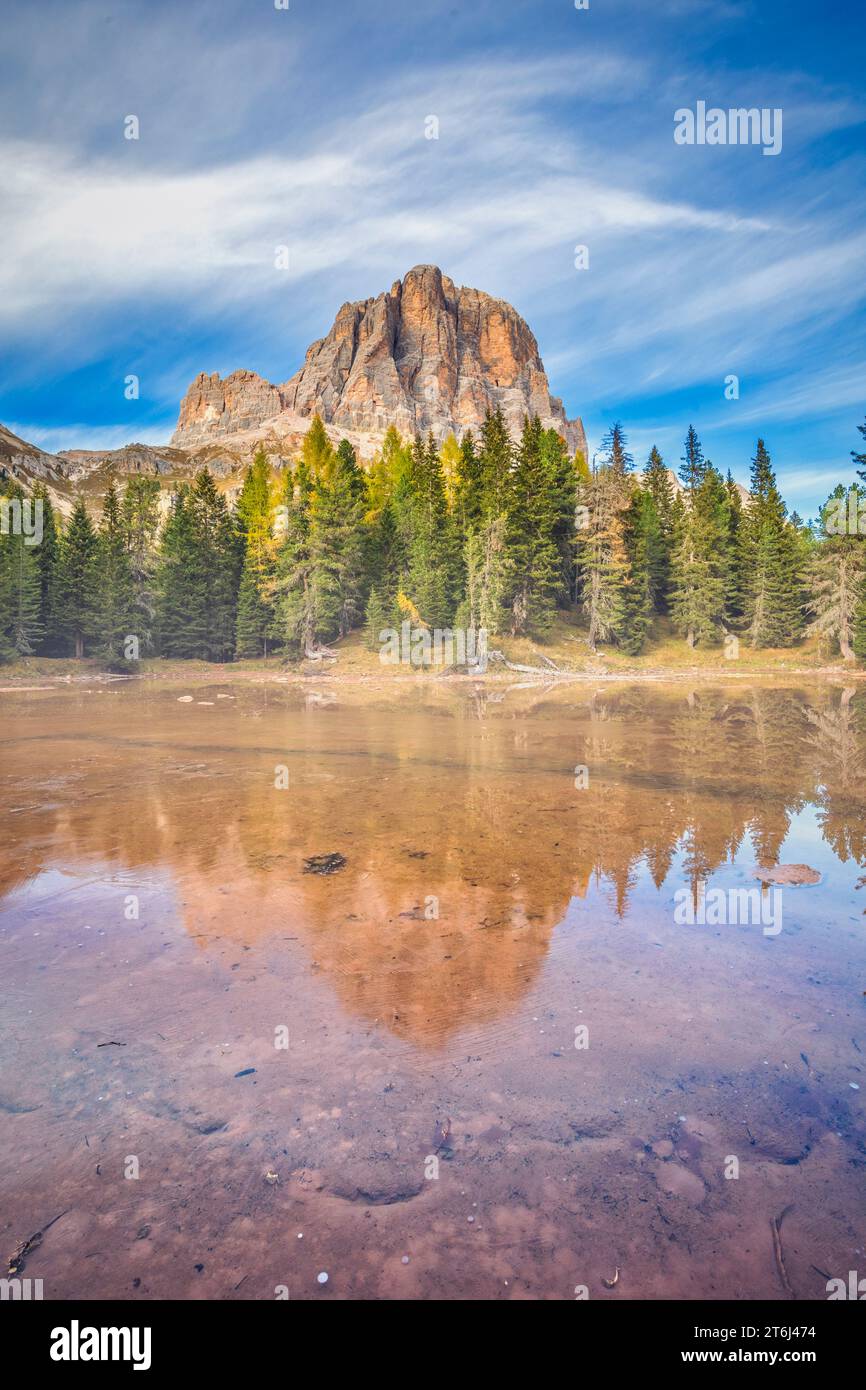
<point>497,1051</point>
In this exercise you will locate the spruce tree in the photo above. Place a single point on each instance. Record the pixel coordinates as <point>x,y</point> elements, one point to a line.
<point>772,603</point>
<point>736,579</point>
<point>115,599</point>
<point>837,574</point>
<point>140,518</point>
<point>179,585</point>
<point>77,581</point>
<point>533,560</point>
<point>693,465</point>
<point>699,567</point>
<point>602,557</point>
<point>379,617</point>
<point>860,458</point>
<point>642,533</point>
<point>218,559</point>
<point>337,546</point>
<point>294,603</point>
<point>47,560</point>
<point>21,629</point>
<point>433,570</point>
<point>255,613</point>
<point>657,482</point>
<point>198,574</point>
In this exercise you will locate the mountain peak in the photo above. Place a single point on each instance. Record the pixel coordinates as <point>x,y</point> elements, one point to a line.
<point>425,355</point>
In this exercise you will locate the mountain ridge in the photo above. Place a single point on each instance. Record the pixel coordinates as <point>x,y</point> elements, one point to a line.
<point>424,356</point>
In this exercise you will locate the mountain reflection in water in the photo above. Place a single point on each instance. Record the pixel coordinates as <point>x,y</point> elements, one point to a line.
<point>493,899</point>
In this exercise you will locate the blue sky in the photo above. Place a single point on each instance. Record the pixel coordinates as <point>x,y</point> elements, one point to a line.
<point>306,128</point>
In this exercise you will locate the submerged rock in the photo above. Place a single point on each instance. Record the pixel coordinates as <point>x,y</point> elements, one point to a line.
<point>788,874</point>
<point>324,863</point>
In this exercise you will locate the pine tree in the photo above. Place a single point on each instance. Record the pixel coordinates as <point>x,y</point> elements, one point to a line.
<point>140,516</point>
<point>219,559</point>
<point>699,567</point>
<point>48,559</point>
<point>337,545</point>
<point>255,613</point>
<point>179,584</point>
<point>496,462</point>
<point>115,598</point>
<point>563,473</point>
<point>602,558</point>
<point>837,574</point>
<point>642,534</point>
<point>771,600</point>
<point>533,560</point>
<point>616,455</point>
<point>735,586</point>
<point>468,492</point>
<point>77,581</point>
<point>21,630</point>
<point>379,616</point>
<point>198,574</point>
<point>295,611</point>
<point>860,458</point>
<point>431,579</point>
<point>693,464</point>
<point>657,482</point>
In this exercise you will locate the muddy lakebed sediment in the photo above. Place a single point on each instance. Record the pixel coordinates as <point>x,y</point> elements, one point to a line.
<point>480,1058</point>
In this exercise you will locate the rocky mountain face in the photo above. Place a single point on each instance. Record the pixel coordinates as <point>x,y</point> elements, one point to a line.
<point>424,355</point>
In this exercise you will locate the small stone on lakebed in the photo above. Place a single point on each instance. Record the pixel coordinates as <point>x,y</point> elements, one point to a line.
<point>324,863</point>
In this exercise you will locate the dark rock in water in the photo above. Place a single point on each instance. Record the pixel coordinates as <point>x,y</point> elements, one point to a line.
<point>324,863</point>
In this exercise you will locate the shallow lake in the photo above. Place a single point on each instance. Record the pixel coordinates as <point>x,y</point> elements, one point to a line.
<point>486,1057</point>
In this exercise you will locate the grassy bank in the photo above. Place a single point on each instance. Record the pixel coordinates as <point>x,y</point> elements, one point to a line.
<point>667,657</point>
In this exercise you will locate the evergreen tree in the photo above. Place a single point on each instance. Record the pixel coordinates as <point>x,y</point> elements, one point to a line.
<point>179,585</point>
<point>433,562</point>
<point>657,482</point>
<point>21,629</point>
<point>47,560</point>
<point>77,581</point>
<point>338,544</point>
<point>198,574</point>
<point>379,616</point>
<point>533,560</point>
<point>255,614</point>
<point>115,599</point>
<point>563,474</point>
<point>219,558</point>
<point>837,574</point>
<point>642,536</point>
<point>295,609</point>
<point>602,557</point>
<point>615,453</point>
<point>772,598</point>
<point>496,462</point>
<point>140,516</point>
<point>735,587</point>
<point>699,567</point>
<point>860,458</point>
<point>693,464</point>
